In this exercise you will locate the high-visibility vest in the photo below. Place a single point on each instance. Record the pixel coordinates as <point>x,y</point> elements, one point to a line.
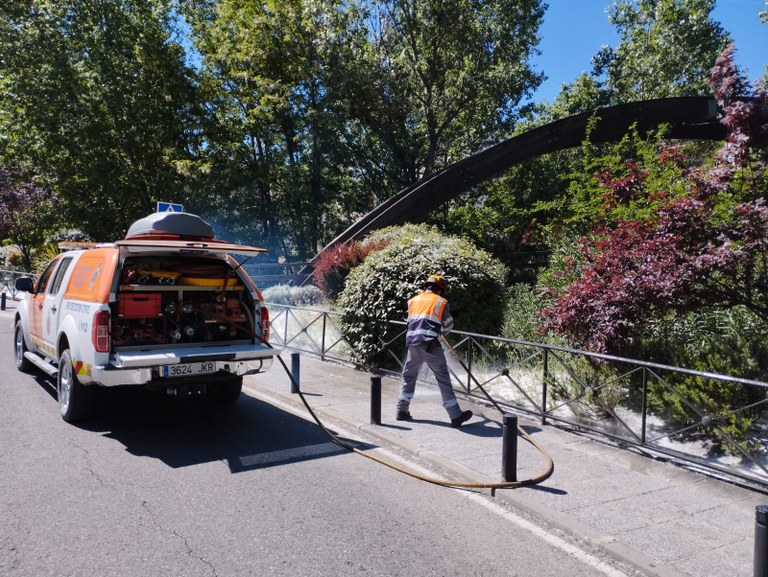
<point>428,317</point>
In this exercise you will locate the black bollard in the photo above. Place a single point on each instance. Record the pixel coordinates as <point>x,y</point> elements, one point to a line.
<point>509,448</point>
<point>761,541</point>
<point>2,301</point>
<point>375,399</point>
<point>295,373</point>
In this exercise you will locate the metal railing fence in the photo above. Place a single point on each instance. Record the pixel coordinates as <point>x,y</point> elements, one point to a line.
<point>711,422</point>
<point>271,274</point>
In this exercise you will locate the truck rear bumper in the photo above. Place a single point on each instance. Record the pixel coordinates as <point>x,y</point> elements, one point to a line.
<point>144,367</point>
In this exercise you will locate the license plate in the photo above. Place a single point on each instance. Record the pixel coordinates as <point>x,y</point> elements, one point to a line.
<point>189,369</point>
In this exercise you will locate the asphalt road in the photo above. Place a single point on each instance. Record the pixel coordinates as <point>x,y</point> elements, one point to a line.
<point>153,488</point>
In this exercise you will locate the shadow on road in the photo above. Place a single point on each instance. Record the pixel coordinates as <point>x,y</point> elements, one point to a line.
<point>248,435</point>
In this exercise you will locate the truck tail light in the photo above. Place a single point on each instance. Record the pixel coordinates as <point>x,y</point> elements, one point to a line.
<point>264,323</point>
<point>101,332</point>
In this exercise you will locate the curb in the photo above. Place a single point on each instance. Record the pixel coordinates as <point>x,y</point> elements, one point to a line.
<point>552,518</point>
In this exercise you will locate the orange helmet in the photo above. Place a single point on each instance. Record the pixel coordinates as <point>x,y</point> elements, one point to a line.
<point>437,281</point>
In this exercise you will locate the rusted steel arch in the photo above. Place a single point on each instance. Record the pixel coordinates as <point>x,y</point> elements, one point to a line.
<point>687,118</point>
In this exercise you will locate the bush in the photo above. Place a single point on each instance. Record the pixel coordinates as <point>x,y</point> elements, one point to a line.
<point>43,255</point>
<point>522,316</point>
<point>591,389</point>
<point>377,291</point>
<point>717,341</point>
<point>333,265</point>
<point>11,258</point>
<point>292,295</point>
<point>68,235</point>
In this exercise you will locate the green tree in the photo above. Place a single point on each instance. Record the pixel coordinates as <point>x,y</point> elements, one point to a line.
<point>508,217</point>
<point>583,94</point>
<point>442,78</point>
<point>276,153</point>
<point>667,48</point>
<point>98,97</point>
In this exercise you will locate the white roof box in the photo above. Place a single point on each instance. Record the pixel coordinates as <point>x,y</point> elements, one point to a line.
<point>170,224</point>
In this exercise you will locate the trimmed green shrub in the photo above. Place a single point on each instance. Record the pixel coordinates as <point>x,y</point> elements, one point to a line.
<point>377,291</point>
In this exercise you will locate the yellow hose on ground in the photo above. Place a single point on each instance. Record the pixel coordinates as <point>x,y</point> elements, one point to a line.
<point>435,481</point>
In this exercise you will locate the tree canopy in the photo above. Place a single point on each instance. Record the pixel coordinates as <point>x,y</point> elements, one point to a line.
<point>320,110</point>
<point>442,78</point>
<point>98,99</point>
<point>667,48</point>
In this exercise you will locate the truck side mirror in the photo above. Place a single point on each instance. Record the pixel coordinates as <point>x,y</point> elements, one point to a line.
<point>24,284</point>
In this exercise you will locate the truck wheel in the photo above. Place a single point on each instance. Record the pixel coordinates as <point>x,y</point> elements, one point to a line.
<point>20,347</point>
<point>75,399</point>
<point>225,392</point>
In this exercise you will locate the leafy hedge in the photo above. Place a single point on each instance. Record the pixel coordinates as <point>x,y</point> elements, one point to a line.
<point>377,291</point>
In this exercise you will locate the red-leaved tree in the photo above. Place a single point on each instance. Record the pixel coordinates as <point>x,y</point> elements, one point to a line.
<point>333,265</point>
<point>707,247</point>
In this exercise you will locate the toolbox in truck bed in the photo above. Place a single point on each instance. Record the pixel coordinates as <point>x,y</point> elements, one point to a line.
<point>141,305</point>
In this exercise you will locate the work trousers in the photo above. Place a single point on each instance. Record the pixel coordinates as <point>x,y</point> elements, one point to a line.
<point>433,355</point>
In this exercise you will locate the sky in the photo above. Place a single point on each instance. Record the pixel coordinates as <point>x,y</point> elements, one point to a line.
<point>574,30</point>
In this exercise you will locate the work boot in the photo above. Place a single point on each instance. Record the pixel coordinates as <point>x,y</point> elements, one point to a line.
<point>404,416</point>
<point>461,419</point>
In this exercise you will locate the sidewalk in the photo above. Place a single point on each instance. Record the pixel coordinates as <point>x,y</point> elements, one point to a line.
<point>647,513</point>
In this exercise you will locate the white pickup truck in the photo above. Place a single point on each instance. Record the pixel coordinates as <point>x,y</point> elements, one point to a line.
<point>168,308</point>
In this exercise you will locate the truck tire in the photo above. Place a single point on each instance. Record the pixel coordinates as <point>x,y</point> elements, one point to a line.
<point>19,348</point>
<point>225,392</point>
<point>75,399</point>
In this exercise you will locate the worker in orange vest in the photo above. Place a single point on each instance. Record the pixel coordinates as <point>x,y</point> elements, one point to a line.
<point>428,318</point>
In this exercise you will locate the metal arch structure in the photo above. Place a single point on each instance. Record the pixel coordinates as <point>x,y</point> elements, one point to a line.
<point>686,118</point>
